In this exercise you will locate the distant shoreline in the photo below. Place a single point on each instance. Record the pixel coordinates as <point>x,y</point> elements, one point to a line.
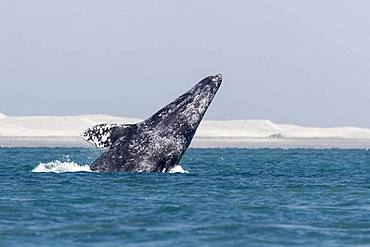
<point>65,131</point>
<point>200,142</point>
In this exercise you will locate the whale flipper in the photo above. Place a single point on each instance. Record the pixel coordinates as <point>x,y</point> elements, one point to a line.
<point>104,135</point>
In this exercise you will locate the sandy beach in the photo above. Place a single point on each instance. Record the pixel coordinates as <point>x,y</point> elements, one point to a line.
<point>200,142</point>
<point>65,131</point>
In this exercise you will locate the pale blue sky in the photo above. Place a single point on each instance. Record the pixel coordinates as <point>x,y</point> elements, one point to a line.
<point>304,62</point>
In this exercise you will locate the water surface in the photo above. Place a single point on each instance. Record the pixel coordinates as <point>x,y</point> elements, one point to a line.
<point>230,197</point>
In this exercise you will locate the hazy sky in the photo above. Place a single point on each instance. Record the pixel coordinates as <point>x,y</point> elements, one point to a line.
<point>303,62</point>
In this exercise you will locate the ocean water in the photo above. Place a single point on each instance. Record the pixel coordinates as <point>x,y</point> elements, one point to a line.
<point>229,197</point>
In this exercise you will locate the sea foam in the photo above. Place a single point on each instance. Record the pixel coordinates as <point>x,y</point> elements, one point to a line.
<point>177,169</point>
<point>58,166</point>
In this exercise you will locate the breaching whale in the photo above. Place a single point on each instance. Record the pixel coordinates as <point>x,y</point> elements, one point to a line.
<point>158,143</point>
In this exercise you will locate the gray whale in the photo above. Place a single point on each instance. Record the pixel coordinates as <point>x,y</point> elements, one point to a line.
<point>158,143</point>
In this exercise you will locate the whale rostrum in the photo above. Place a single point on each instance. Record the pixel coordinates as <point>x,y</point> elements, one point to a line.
<point>158,143</point>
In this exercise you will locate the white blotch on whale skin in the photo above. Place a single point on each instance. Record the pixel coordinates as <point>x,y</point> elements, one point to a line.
<point>99,135</point>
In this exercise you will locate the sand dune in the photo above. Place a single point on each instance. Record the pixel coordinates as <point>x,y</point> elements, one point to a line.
<point>268,129</point>
<point>73,126</point>
<point>54,126</point>
<point>65,131</point>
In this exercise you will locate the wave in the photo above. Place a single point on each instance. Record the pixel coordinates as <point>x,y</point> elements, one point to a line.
<point>58,166</point>
<point>177,169</point>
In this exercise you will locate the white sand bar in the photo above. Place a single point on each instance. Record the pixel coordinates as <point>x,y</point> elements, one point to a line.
<point>65,131</point>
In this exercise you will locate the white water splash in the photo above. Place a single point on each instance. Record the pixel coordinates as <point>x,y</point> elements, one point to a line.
<point>177,169</point>
<point>58,166</point>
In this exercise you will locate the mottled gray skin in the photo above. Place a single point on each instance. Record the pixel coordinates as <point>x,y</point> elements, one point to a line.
<point>158,143</point>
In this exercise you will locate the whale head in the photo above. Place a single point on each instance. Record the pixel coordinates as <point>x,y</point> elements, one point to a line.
<point>201,95</point>
<point>188,109</point>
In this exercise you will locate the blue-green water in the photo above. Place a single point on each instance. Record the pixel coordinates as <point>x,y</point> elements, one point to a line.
<point>230,197</point>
